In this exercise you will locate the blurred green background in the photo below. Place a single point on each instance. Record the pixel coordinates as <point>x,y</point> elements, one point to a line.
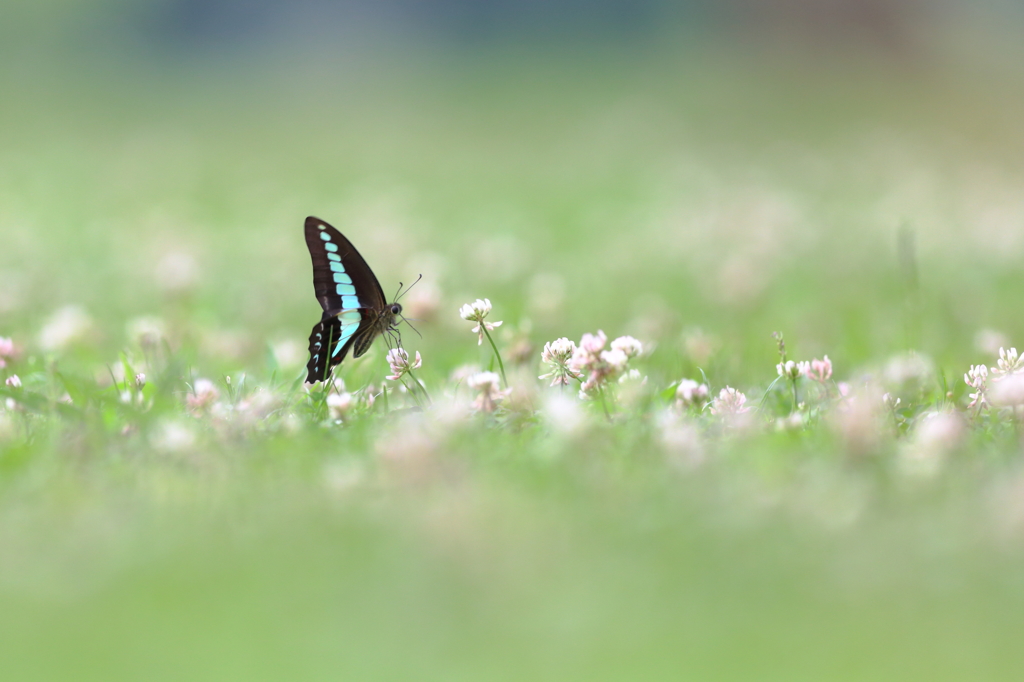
<point>697,174</point>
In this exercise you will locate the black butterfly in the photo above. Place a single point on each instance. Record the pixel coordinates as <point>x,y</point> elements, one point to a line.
<point>355,310</point>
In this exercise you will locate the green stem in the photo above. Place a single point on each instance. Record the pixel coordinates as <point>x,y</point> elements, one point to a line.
<point>501,365</point>
<point>796,400</point>
<point>604,403</point>
<point>421,387</point>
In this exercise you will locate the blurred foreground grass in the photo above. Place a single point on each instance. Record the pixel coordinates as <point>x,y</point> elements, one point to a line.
<point>656,195</point>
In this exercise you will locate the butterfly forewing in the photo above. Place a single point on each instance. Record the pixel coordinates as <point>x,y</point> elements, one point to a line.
<point>341,278</point>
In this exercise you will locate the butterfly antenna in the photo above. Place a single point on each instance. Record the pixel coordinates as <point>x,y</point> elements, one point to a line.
<point>411,327</point>
<point>401,293</point>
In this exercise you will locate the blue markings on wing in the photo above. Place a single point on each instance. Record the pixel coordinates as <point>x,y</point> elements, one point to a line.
<point>346,290</point>
<point>350,320</point>
<point>334,257</point>
<point>323,235</point>
<point>339,270</point>
<point>330,247</point>
<point>349,301</point>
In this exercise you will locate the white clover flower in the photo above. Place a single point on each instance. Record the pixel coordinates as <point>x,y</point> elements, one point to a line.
<point>1009,362</point>
<point>789,369</point>
<point>690,393</point>
<point>476,312</point>
<point>977,378</point>
<point>140,381</point>
<point>489,393</point>
<point>820,370</point>
<point>628,345</point>
<point>13,381</point>
<point>556,355</point>
<point>729,402</point>
<point>398,358</point>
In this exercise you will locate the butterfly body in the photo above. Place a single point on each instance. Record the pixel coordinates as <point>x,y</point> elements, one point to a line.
<point>355,311</point>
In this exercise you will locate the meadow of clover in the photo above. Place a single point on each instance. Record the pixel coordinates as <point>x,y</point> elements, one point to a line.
<point>715,369</point>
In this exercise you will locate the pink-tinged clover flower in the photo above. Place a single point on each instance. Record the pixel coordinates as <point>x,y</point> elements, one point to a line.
<point>820,370</point>
<point>977,378</point>
<point>489,392</point>
<point>476,312</point>
<point>597,364</point>
<point>729,402</point>
<point>690,393</point>
<point>557,355</point>
<point>6,350</point>
<point>13,381</point>
<point>204,394</point>
<point>398,358</point>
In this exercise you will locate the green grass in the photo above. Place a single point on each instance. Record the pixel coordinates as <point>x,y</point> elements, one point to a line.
<point>651,195</point>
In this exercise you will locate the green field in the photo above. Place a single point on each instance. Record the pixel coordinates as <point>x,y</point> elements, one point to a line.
<point>699,199</point>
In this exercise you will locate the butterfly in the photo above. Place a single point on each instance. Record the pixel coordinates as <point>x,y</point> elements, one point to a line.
<point>355,310</point>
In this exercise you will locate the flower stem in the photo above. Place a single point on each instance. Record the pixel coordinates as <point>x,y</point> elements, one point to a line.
<point>421,387</point>
<point>501,365</point>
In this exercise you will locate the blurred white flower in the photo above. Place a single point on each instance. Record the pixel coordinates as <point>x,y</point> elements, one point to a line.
<point>689,393</point>
<point>140,381</point>
<point>628,345</point>
<point>563,414</point>
<point>423,301</point>
<point>680,439</point>
<point>65,327</point>
<point>1008,391</point>
<point>398,359</point>
<point>13,381</point>
<point>6,350</point>
<point>177,272</point>
<point>288,353</point>
<point>146,331</point>
<point>202,396</point>
<point>556,355</point>
<point>173,436</point>
<point>989,341</point>
<point>476,312</point>
<point>935,435</point>
<point>488,388</point>
<point>729,402</point>
<point>340,404</point>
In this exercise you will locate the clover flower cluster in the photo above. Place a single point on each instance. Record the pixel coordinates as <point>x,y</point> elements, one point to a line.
<point>898,400</point>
